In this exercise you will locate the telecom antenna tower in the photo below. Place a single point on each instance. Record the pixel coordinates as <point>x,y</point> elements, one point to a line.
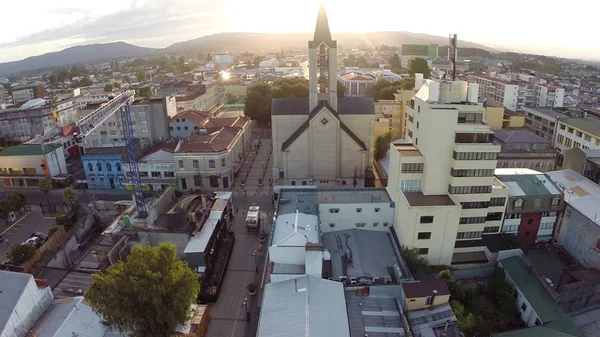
<point>452,55</point>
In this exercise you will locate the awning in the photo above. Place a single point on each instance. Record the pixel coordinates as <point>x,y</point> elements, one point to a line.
<point>469,258</point>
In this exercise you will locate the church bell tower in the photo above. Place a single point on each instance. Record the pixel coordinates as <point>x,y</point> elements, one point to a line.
<point>322,63</point>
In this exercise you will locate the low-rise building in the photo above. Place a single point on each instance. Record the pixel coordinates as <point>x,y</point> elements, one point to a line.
<point>583,133</point>
<point>185,123</point>
<point>210,157</point>
<point>389,117</point>
<point>157,168</point>
<point>25,93</point>
<point>103,167</point>
<point>498,117</point>
<point>22,302</point>
<point>428,310</point>
<point>26,165</point>
<point>523,149</point>
<point>584,162</point>
<point>356,84</point>
<point>203,98</point>
<point>533,206</point>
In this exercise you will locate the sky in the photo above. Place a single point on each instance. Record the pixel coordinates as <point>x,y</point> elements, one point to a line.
<point>35,27</point>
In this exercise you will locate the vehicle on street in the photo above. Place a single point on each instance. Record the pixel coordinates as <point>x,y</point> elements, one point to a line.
<point>253,219</point>
<point>549,281</point>
<point>40,235</point>
<point>33,241</point>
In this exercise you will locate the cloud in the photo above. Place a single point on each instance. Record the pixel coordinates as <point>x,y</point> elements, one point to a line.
<point>155,24</point>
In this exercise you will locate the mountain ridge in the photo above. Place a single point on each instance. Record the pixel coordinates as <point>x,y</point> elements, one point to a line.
<point>235,42</point>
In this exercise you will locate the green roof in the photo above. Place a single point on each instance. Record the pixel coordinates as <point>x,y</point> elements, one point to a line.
<point>536,331</point>
<point>530,184</point>
<point>548,311</point>
<point>28,150</point>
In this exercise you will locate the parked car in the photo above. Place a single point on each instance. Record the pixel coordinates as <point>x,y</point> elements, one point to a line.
<point>549,281</point>
<point>36,241</point>
<point>40,235</point>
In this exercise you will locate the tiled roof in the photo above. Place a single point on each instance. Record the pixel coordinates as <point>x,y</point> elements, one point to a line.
<point>192,115</point>
<point>210,140</point>
<point>189,96</point>
<point>170,147</point>
<point>28,150</point>
<point>408,150</point>
<point>519,136</point>
<point>425,288</point>
<point>356,77</point>
<point>346,106</point>
<point>237,122</point>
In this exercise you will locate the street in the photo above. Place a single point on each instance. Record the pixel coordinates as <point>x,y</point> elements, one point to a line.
<point>21,230</point>
<point>35,196</point>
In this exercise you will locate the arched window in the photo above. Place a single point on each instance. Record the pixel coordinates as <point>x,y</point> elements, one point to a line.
<point>108,167</point>
<point>90,167</point>
<point>99,167</point>
<point>118,167</point>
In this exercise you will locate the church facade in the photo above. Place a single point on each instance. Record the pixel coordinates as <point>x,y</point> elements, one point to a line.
<point>324,139</point>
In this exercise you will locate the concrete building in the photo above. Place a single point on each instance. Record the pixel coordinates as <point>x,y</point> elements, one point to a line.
<point>103,167</point>
<point>389,117</point>
<point>304,307</point>
<point>424,294</point>
<point>448,161</point>
<point>224,58</point>
<point>203,98</point>
<point>150,121</point>
<point>500,90</point>
<point>35,116</point>
<point>404,97</point>
<point>429,51</point>
<point>578,231</point>
<point>534,204</point>
<point>156,166</point>
<point>584,162</point>
<point>92,98</point>
<point>21,94</point>
<point>25,165</point>
<point>22,302</point>
<point>549,95</point>
<point>544,121</point>
<point>322,140</point>
<point>523,149</point>
<point>185,123</point>
<point>538,310</point>
<point>212,155</point>
<point>356,84</point>
<point>583,133</point>
<point>500,118</point>
<point>5,97</point>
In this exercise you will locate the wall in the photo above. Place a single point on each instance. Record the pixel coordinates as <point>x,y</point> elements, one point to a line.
<point>101,180</point>
<point>417,303</point>
<point>528,315</point>
<point>580,237</point>
<point>494,116</point>
<point>528,228</point>
<point>56,162</point>
<point>348,217</point>
<point>291,255</point>
<point>182,128</point>
<point>274,278</point>
<point>30,306</point>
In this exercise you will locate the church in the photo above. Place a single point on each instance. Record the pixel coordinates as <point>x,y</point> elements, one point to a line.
<point>324,139</point>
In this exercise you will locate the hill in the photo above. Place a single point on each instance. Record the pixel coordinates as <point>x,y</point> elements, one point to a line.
<point>78,54</point>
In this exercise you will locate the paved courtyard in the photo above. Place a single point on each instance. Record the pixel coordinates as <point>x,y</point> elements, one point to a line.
<point>19,231</point>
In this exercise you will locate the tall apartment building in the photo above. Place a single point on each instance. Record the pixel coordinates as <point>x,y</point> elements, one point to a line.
<point>583,133</point>
<point>442,180</point>
<point>150,120</point>
<point>35,116</point>
<point>515,93</point>
<point>224,58</point>
<point>543,121</point>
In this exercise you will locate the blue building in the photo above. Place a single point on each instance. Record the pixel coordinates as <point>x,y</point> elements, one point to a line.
<point>103,168</point>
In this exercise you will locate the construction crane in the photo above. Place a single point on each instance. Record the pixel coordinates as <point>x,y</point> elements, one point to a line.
<point>121,102</point>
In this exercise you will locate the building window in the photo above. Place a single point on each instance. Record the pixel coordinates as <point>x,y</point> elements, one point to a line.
<point>469,189</point>
<point>555,201</point>
<point>214,181</point>
<point>293,183</point>
<point>223,162</point>
<point>360,224</point>
<point>180,164</point>
<point>426,219</point>
<point>331,225</point>
<point>412,167</point>
<point>497,202</point>
<point>472,173</point>
<point>410,185</point>
<point>468,235</point>
<point>195,163</point>
<point>423,251</point>
<point>377,209</point>
<point>417,140</point>
<point>118,165</point>
<point>524,306</point>
<point>493,229</point>
<point>518,203</point>
<point>472,220</point>
<point>92,181</point>
<point>424,236</point>
<point>179,128</point>
<point>155,174</point>
<point>108,167</point>
<point>90,167</point>
<point>98,167</point>
<point>417,125</point>
<point>385,224</point>
<point>169,174</point>
<point>475,155</point>
<point>334,210</point>
<point>375,224</point>
<point>429,300</point>
<point>358,210</point>
<point>511,228</point>
<point>185,128</point>
<point>211,163</point>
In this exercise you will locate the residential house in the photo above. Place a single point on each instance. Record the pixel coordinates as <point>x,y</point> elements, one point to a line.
<point>524,149</point>
<point>26,165</point>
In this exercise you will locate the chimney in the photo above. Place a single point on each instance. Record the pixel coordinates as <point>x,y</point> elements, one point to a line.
<point>433,295</point>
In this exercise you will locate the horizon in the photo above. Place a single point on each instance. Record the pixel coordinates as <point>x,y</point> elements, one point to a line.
<point>160,23</point>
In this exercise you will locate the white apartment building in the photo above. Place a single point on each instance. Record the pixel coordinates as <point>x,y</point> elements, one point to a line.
<point>442,179</point>
<point>224,58</point>
<point>271,63</point>
<point>356,84</point>
<point>150,120</point>
<point>583,133</point>
<point>516,91</point>
<point>93,98</point>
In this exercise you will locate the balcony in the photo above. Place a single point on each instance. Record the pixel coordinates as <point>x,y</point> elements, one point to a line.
<point>474,138</point>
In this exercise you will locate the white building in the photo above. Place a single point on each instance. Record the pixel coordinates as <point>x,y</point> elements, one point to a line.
<point>583,133</point>
<point>22,302</point>
<point>201,100</point>
<point>447,162</point>
<point>356,84</point>
<point>322,140</point>
<point>93,98</point>
<point>150,120</point>
<point>223,58</point>
<point>271,63</point>
<point>157,167</point>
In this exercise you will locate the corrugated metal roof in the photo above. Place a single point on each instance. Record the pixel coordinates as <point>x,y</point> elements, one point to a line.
<point>295,229</point>
<point>304,307</point>
<point>12,286</point>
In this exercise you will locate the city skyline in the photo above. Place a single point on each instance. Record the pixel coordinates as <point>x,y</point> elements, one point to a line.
<point>159,23</point>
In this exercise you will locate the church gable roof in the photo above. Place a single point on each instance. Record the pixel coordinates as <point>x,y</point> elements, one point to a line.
<point>322,32</point>
<point>306,125</point>
<point>299,106</point>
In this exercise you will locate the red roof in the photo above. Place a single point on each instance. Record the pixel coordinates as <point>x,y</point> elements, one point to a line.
<point>237,122</point>
<point>191,95</point>
<point>356,77</point>
<point>192,115</point>
<point>210,140</point>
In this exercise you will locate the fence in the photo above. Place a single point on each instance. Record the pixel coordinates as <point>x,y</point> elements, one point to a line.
<point>472,273</point>
<point>51,246</point>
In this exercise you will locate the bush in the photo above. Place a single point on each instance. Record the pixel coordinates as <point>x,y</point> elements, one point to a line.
<point>19,253</point>
<point>52,231</point>
<point>251,287</point>
<point>413,259</point>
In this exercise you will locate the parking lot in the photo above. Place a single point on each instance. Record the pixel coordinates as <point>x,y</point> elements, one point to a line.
<point>22,229</point>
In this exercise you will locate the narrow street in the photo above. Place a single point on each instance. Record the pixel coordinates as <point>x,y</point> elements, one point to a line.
<point>228,314</point>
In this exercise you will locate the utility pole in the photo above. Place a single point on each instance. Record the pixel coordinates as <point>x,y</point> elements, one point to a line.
<point>246,307</point>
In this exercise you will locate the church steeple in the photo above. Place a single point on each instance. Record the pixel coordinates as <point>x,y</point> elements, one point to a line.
<point>322,61</point>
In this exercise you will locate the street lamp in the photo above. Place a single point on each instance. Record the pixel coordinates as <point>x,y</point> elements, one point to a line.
<point>246,307</point>
<point>255,261</point>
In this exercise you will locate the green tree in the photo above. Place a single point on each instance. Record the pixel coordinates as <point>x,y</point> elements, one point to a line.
<point>46,186</point>
<point>259,97</point>
<point>408,83</point>
<point>209,57</point>
<point>394,62</point>
<point>140,76</point>
<point>116,85</point>
<point>108,87</point>
<point>148,295</point>
<point>19,253</point>
<point>419,65</point>
<point>69,196</point>
<point>20,198</point>
<point>341,89</point>
<point>467,322</point>
<point>143,92</point>
<point>413,259</point>
<point>382,145</point>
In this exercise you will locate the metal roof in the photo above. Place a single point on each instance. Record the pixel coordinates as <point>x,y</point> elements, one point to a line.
<point>304,307</point>
<point>579,192</point>
<point>28,150</point>
<point>12,286</point>
<point>295,229</point>
<point>529,185</point>
<point>346,106</point>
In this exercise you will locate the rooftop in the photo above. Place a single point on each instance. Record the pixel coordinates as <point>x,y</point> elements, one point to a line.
<point>373,253</point>
<point>563,113</point>
<point>356,77</point>
<point>235,122</point>
<point>579,192</point>
<point>548,311</point>
<point>408,150</point>
<point>192,115</point>
<point>191,95</point>
<point>432,322</point>
<point>590,125</point>
<point>307,306</point>
<point>425,288</point>
<point>295,230</point>
<point>377,316</point>
<point>519,136</point>
<point>210,140</point>
<point>306,200</point>
<point>28,150</point>
<point>418,199</point>
<point>12,286</point>
<point>496,79</point>
<point>493,242</point>
<point>529,185</point>
<point>346,106</point>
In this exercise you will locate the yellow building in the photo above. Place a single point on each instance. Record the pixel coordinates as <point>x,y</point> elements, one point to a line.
<point>498,117</point>
<point>25,165</point>
<point>425,294</point>
<point>389,115</point>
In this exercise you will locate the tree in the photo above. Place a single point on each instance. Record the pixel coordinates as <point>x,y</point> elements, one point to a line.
<point>382,145</point>
<point>69,196</point>
<point>408,83</point>
<point>341,89</point>
<point>20,198</point>
<point>419,65</point>
<point>19,253</point>
<point>259,97</point>
<point>108,87</point>
<point>148,295</point>
<point>140,75</point>
<point>209,57</point>
<point>116,85</point>
<point>142,92</point>
<point>53,79</point>
<point>394,62</point>
<point>413,259</point>
<point>46,187</point>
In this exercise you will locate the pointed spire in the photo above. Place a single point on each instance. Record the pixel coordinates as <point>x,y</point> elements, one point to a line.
<point>322,33</point>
